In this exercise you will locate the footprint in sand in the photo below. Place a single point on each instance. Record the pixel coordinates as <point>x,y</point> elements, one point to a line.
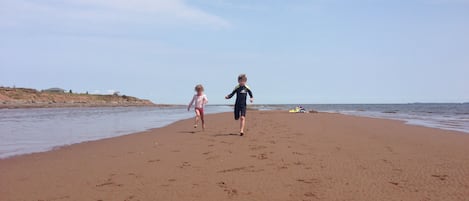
<point>256,147</point>
<point>297,153</point>
<point>440,177</point>
<point>153,161</point>
<point>283,167</point>
<point>185,164</point>
<point>386,161</point>
<point>262,156</point>
<point>308,181</point>
<point>212,157</point>
<point>108,183</point>
<point>225,142</point>
<point>130,198</point>
<point>221,184</point>
<point>233,170</point>
<point>135,175</point>
<point>230,191</point>
<point>394,183</point>
<point>389,149</point>
<point>298,163</point>
<point>310,194</point>
<point>298,134</point>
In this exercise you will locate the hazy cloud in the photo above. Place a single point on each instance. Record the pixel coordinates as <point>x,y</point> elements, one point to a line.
<point>20,12</point>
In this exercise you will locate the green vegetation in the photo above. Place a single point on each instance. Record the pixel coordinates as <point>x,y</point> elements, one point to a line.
<point>24,97</point>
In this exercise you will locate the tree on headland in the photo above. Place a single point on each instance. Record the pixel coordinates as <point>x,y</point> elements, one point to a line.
<point>70,91</point>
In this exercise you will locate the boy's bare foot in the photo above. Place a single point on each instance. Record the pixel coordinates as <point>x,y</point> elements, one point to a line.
<point>241,133</point>
<point>195,126</point>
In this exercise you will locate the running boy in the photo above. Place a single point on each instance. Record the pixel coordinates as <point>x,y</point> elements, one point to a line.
<point>199,100</point>
<point>241,91</point>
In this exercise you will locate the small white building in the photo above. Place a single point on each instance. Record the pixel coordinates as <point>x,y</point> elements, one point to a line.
<point>54,90</point>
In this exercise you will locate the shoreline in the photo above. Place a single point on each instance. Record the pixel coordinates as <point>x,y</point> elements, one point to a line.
<point>36,106</point>
<point>403,121</point>
<point>314,157</point>
<point>56,148</point>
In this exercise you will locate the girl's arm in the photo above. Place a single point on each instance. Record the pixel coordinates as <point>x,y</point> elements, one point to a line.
<point>190,104</point>
<point>205,100</point>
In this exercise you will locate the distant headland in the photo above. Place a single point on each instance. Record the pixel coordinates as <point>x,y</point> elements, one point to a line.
<point>12,97</point>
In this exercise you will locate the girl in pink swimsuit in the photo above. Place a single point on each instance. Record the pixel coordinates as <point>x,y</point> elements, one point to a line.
<point>199,100</point>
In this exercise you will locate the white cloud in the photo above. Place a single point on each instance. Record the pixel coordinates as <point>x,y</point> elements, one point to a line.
<point>107,11</point>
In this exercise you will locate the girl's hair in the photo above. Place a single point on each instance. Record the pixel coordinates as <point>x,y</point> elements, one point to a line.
<point>199,87</point>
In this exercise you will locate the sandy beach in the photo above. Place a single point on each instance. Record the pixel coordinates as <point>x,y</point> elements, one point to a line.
<point>282,157</point>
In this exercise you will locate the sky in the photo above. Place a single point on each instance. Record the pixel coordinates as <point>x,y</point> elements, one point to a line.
<point>296,51</point>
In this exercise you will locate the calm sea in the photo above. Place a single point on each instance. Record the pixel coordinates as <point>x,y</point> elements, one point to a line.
<point>35,130</point>
<point>449,116</point>
<point>25,131</point>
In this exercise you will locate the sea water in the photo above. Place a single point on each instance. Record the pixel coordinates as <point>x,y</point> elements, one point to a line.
<point>448,116</point>
<point>25,131</point>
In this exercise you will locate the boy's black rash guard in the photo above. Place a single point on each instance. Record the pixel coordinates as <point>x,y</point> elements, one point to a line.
<point>241,94</point>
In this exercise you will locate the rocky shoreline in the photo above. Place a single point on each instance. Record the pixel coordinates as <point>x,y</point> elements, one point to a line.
<point>32,98</point>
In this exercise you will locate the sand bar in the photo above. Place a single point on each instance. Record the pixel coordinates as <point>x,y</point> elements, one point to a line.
<point>283,157</point>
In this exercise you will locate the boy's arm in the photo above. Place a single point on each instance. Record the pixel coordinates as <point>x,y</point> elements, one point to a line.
<point>232,93</point>
<point>250,95</point>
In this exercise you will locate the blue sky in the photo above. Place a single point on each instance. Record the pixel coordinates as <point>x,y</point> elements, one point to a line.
<point>316,51</point>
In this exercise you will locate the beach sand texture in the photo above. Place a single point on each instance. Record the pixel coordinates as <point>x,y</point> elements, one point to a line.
<point>282,157</point>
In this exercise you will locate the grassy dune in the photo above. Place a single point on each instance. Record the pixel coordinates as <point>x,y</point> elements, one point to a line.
<point>25,97</point>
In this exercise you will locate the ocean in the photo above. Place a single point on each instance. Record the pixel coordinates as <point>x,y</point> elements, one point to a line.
<point>448,116</point>
<point>24,131</point>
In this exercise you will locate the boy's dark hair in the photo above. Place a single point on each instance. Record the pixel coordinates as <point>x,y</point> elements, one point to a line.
<point>242,77</point>
<point>199,87</point>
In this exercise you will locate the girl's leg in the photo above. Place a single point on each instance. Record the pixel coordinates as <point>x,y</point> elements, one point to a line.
<point>197,115</point>
<point>202,119</point>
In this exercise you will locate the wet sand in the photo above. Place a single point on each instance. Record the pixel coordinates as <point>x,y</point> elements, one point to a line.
<point>282,157</point>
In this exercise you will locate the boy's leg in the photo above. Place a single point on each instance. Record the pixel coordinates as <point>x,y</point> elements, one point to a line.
<point>242,123</point>
<point>236,112</point>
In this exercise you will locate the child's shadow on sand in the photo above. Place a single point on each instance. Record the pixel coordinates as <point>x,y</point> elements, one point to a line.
<point>225,135</point>
<point>190,132</point>
<point>214,135</point>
